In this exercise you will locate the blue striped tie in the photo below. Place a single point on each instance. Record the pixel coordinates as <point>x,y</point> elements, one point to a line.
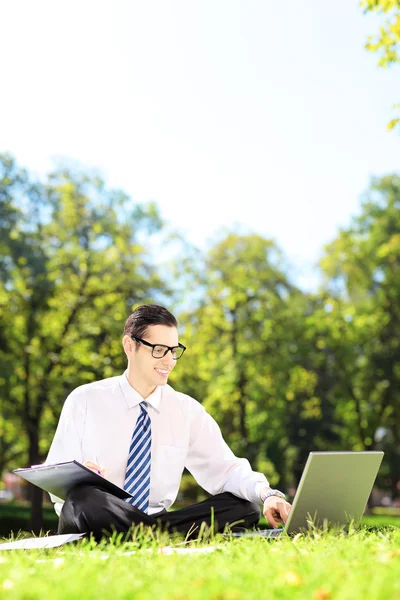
<point>137,478</point>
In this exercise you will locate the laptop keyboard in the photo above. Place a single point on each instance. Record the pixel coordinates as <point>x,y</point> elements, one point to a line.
<point>266,533</point>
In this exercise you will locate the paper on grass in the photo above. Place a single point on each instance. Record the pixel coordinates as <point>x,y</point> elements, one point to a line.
<point>50,541</point>
<point>171,550</point>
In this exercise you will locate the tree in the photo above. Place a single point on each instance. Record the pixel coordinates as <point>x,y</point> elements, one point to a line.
<point>363,270</point>
<point>71,270</point>
<point>387,43</point>
<point>250,359</point>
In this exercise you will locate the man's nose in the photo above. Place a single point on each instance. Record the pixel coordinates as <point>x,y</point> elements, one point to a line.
<point>167,359</point>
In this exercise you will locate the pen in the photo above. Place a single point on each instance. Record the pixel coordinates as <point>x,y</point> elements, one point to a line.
<point>96,462</point>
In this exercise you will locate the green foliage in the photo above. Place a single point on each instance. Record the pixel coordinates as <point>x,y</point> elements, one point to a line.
<point>71,270</point>
<point>363,269</point>
<point>389,35</point>
<point>387,43</point>
<point>392,123</point>
<point>248,358</point>
<point>282,371</point>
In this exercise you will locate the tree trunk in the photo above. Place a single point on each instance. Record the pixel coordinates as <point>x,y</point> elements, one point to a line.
<point>35,493</point>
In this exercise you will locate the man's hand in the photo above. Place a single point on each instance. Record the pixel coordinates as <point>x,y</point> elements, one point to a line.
<point>276,510</point>
<point>99,469</point>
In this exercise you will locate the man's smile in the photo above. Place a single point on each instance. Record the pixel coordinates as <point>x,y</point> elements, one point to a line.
<point>163,372</point>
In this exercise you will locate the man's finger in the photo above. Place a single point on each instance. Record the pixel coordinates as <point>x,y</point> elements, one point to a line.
<point>284,510</point>
<point>276,511</point>
<point>93,467</point>
<point>268,514</point>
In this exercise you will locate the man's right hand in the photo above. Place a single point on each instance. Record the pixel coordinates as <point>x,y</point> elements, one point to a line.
<point>99,469</point>
<point>276,511</point>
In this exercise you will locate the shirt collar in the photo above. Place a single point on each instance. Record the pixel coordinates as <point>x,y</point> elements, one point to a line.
<point>133,398</point>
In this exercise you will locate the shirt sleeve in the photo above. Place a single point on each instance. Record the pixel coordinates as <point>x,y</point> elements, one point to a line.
<point>67,441</point>
<point>213,464</point>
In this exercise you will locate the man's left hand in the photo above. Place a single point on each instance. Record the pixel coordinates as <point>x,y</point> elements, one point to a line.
<point>99,469</point>
<point>276,511</point>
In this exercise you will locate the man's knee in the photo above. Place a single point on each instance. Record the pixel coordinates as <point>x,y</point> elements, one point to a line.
<point>250,512</point>
<point>247,506</point>
<point>82,493</point>
<point>253,510</point>
<point>85,510</point>
<point>81,501</point>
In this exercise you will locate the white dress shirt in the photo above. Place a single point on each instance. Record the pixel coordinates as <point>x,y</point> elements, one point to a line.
<point>97,422</point>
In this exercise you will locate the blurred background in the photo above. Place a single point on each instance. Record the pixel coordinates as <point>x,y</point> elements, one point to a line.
<point>234,161</point>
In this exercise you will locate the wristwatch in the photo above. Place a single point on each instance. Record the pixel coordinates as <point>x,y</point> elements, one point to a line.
<point>272,493</point>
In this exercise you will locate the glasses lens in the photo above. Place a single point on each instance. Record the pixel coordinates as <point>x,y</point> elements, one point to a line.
<point>159,351</point>
<point>177,352</point>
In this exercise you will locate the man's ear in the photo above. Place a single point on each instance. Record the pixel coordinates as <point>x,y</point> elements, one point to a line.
<point>128,344</point>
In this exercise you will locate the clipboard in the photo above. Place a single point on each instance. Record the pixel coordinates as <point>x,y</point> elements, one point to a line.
<point>59,479</point>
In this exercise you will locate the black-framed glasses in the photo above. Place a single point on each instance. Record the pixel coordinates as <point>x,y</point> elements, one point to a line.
<point>160,350</point>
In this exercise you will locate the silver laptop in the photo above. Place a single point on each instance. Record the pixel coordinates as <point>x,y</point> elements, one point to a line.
<point>333,490</point>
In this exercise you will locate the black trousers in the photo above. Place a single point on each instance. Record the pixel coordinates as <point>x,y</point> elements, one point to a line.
<point>90,509</point>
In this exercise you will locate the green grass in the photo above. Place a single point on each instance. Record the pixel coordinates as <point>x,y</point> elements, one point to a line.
<point>363,564</point>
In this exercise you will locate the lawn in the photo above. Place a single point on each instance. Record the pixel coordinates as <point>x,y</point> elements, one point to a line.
<point>362,564</point>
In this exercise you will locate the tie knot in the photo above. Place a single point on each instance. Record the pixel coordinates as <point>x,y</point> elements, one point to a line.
<point>144,406</point>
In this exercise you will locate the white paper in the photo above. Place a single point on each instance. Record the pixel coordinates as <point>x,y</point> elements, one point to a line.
<point>50,541</point>
<point>171,550</point>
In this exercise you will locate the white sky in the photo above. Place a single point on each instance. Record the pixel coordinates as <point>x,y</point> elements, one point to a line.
<point>264,113</point>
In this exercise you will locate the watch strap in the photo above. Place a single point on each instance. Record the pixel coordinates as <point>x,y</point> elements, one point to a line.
<point>270,493</point>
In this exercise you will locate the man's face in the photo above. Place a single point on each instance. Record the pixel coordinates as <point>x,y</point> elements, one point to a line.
<point>152,371</point>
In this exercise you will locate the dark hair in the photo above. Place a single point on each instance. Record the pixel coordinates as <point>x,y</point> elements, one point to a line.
<point>148,314</point>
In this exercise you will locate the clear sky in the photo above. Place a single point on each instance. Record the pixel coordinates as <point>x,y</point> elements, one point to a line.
<point>268,114</point>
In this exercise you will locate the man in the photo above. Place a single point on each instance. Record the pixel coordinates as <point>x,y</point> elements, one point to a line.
<point>145,433</point>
